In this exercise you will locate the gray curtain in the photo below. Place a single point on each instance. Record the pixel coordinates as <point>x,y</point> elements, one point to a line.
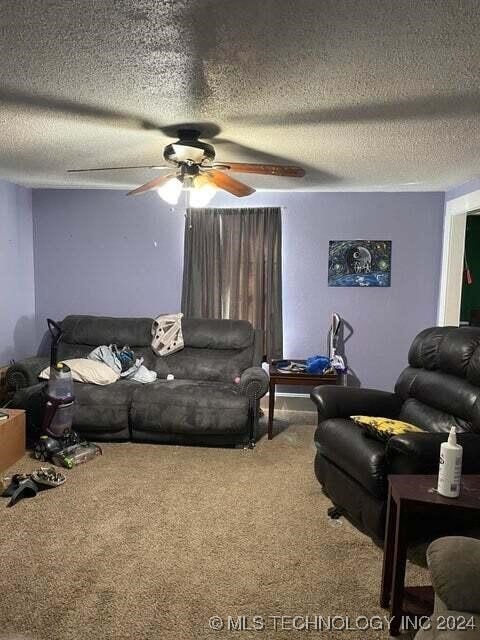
<point>233,269</point>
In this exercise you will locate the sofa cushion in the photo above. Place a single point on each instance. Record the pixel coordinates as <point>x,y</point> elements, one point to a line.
<point>189,406</point>
<point>218,365</point>
<point>102,409</point>
<point>217,334</point>
<point>97,330</point>
<point>425,348</point>
<point>70,351</point>
<point>362,457</point>
<point>435,401</point>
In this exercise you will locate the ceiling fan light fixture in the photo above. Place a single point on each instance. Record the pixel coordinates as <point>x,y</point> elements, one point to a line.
<point>171,190</point>
<point>201,196</point>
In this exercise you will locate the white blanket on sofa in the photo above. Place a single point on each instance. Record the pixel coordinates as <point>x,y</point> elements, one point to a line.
<point>167,335</point>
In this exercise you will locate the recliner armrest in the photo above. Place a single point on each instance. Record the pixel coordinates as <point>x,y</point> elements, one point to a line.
<point>420,452</point>
<point>342,402</point>
<point>25,373</point>
<point>254,383</point>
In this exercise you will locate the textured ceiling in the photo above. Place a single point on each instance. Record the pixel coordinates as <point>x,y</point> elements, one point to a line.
<point>365,94</point>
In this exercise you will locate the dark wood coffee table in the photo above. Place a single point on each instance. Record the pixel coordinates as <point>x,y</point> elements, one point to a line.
<point>409,497</point>
<point>298,379</point>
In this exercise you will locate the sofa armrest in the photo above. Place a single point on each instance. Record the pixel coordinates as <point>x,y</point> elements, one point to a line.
<point>342,402</point>
<point>254,383</point>
<point>454,564</point>
<point>419,452</point>
<point>25,373</point>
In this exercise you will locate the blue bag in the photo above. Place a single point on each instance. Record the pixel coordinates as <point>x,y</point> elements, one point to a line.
<point>317,364</point>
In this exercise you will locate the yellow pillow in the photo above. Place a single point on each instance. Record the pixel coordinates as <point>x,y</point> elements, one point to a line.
<point>385,428</point>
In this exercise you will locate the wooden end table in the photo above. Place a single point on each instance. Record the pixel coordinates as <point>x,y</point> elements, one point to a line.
<point>295,379</point>
<point>409,497</point>
<point>12,438</point>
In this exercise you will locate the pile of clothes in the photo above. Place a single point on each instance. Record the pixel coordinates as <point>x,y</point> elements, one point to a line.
<point>167,338</point>
<point>124,362</point>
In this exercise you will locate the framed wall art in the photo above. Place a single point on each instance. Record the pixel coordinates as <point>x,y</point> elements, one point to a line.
<point>359,263</point>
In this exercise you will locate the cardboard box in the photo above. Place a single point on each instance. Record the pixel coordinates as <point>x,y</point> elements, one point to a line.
<point>12,438</point>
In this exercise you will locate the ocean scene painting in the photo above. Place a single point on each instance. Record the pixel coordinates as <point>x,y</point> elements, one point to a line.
<point>359,263</point>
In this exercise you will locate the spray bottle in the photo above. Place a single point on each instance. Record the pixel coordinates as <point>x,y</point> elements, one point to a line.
<point>450,468</point>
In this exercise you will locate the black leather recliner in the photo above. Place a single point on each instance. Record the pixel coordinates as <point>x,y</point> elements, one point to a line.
<point>439,388</point>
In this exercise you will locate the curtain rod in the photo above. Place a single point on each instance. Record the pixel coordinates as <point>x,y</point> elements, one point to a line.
<point>263,206</point>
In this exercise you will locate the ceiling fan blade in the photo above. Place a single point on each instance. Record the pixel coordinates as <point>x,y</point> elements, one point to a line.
<point>65,106</point>
<point>226,148</point>
<point>143,166</point>
<point>222,181</point>
<point>426,106</point>
<point>152,184</point>
<point>264,169</point>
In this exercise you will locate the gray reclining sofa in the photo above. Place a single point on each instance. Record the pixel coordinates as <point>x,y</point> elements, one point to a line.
<point>202,405</point>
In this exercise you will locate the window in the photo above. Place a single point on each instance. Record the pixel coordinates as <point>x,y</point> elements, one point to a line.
<point>233,269</point>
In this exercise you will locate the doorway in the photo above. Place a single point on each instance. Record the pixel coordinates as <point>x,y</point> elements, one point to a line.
<point>470,295</point>
<point>452,275</point>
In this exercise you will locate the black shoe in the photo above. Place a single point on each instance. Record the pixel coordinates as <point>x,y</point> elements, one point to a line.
<point>21,486</point>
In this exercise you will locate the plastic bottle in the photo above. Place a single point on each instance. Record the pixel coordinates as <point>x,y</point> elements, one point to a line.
<point>60,384</point>
<point>60,396</point>
<point>450,468</point>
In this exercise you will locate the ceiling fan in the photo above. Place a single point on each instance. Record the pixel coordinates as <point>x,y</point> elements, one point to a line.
<point>195,167</point>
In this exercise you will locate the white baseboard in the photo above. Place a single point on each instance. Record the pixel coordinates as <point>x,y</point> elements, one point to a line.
<point>289,402</point>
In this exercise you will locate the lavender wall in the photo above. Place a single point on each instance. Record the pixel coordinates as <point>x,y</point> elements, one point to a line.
<point>17,306</point>
<point>102,253</point>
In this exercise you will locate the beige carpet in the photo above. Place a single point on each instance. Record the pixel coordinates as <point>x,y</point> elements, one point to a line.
<point>149,542</point>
